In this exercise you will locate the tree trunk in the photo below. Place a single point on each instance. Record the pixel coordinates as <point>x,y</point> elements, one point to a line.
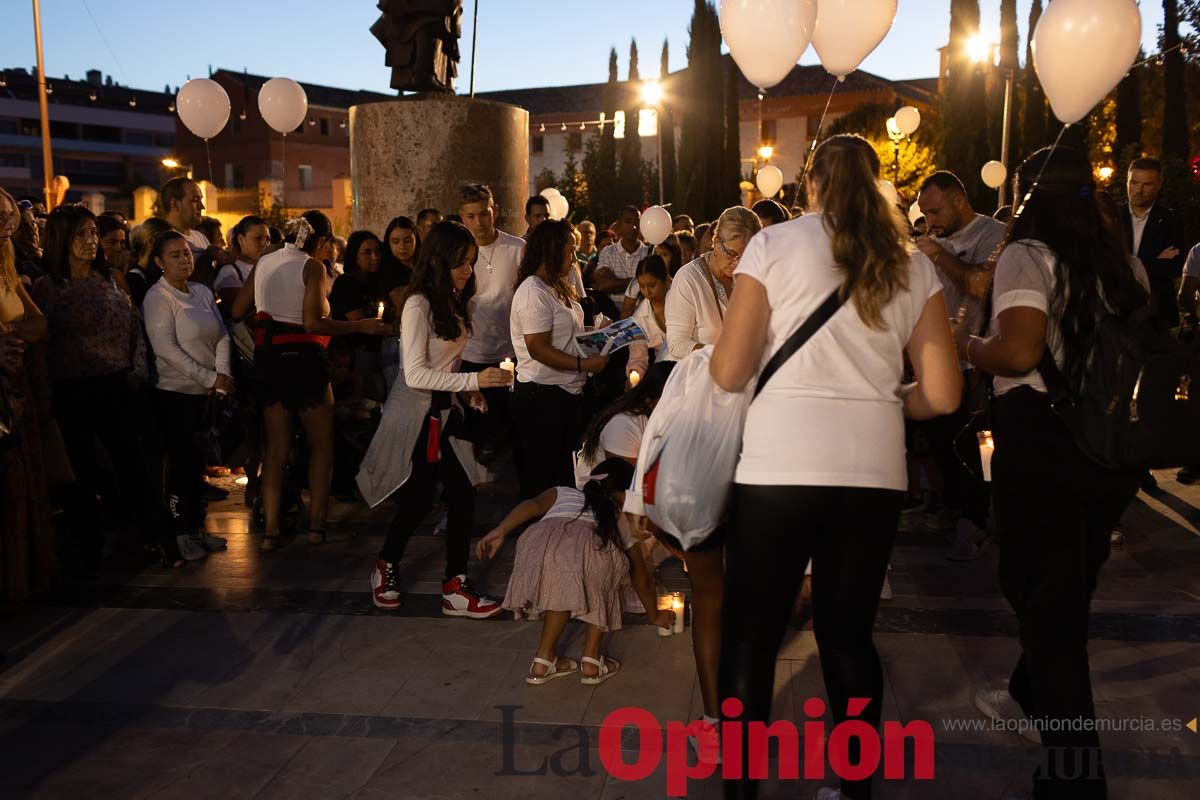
<point>1175,126</point>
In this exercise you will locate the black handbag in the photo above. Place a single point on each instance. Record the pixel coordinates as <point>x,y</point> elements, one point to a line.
<point>221,430</point>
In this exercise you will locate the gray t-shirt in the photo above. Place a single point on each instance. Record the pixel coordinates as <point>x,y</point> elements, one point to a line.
<point>974,243</point>
<point>1192,268</point>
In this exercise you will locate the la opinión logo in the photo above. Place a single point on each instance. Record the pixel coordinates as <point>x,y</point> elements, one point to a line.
<point>853,749</point>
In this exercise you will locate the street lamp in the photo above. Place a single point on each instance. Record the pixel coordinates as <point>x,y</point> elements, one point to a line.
<point>765,152</point>
<point>652,96</point>
<point>173,163</point>
<point>897,136</point>
<point>980,51</point>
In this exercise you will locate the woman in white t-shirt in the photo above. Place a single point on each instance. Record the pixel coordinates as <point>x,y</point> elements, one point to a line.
<point>616,430</point>
<point>695,310</point>
<point>654,283</point>
<point>574,563</point>
<point>822,470</point>
<point>1055,508</point>
<point>547,403</point>
<point>249,241</point>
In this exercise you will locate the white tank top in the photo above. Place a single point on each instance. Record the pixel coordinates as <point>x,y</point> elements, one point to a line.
<point>279,284</point>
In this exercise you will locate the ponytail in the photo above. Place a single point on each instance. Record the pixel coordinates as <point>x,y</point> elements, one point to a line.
<point>609,477</point>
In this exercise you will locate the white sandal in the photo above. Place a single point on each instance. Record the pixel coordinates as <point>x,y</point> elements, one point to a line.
<point>604,671</point>
<point>552,671</point>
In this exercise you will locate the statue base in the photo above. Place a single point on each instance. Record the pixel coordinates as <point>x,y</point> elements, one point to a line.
<point>415,152</point>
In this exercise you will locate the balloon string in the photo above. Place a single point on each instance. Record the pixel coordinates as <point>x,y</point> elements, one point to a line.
<point>1025,201</point>
<point>812,150</point>
<point>283,167</point>
<point>208,153</point>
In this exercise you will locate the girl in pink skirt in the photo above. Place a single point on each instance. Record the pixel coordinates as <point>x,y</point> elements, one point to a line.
<point>572,564</point>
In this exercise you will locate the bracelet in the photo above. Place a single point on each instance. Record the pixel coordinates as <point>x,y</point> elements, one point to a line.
<point>970,341</point>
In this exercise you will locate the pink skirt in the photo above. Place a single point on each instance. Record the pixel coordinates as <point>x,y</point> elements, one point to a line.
<point>559,568</point>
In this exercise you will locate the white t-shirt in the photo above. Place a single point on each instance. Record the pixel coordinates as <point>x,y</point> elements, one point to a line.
<point>191,345</point>
<point>569,505</point>
<point>974,243</point>
<point>621,436</point>
<point>197,241</point>
<point>428,362</point>
<point>1025,279</point>
<point>622,264</point>
<point>495,277</point>
<point>536,309</point>
<point>232,276</point>
<point>694,313</point>
<point>830,416</point>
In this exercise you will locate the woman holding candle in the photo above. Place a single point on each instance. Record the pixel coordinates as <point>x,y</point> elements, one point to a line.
<point>822,469</point>
<point>418,443</point>
<point>357,295</point>
<point>573,564</point>
<point>695,307</point>
<point>1055,508</point>
<point>547,404</point>
<point>616,431</point>
<point>654,281</point>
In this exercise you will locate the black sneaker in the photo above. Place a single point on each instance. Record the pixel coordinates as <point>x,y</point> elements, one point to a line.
<point>1188,475</point>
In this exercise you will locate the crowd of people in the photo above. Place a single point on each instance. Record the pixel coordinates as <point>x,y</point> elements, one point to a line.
<point>402,367</point>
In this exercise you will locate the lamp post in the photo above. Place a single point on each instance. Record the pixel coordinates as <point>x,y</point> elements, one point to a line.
<point>652,96</point>
<point>172,163</point>
<point>982,52</point>
<point>47,161</point>
<point>895,134</point>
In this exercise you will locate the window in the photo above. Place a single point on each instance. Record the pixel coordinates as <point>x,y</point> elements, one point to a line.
<point>305,177</point>
<point>12,160</point>
<point>102,133</point>
<point>324,126</point>
<point>814,125</point>
<point>619,125</point>
<point>648,122</point>
<point>138,137</point>
<point>164,140</point>
<point>9,126</point>
<point>228,175</point>
<point>537,144</point>
<point>768,133</point>
<point>574,140</point>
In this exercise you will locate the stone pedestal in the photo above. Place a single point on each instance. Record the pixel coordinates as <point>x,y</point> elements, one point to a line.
<point>414,153</point>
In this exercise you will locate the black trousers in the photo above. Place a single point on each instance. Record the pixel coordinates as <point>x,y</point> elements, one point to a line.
<point>180,417</point>
<point>489,428</point>
<point>1055,512</point>
<point>848,534</point>
<point>956,450</point>
<point>415,499</point>
<point>549,425</point>
<point>101,409</point>
<point>1164,296</point>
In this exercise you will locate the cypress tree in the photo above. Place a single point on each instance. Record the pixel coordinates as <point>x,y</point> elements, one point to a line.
<point>666,129</point>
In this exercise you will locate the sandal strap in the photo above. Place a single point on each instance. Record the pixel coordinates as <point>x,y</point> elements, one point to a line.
<point>600,664</point>
<point>550,665</point>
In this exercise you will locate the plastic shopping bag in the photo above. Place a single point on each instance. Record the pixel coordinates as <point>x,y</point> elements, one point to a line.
<point>689,453</point>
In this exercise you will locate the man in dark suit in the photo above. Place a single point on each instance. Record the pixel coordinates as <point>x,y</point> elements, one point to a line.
<point>1154,235</point>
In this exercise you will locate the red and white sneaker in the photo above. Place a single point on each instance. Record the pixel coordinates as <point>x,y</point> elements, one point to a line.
<point>459,599</point>
<point>707,745</point>
<point>385,586</point>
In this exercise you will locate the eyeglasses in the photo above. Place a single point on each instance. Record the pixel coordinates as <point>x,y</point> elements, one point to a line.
<point>732,255</point>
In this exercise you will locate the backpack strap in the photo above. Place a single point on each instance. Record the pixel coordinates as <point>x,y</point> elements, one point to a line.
<point>797,340</point>
<point>1056,382</point>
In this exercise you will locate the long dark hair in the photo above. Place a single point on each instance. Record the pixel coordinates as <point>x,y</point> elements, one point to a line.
<point>672,246</point>
<point>1092,271</point>
<point>353,245</point>
<point>242,228</point>
<point>389,260</point>
<point>597,498</point>
<point>545,247</point>
<point>61,226</point>
<point>867,235</point>
<point>639,401</point>
<point>445,248</point>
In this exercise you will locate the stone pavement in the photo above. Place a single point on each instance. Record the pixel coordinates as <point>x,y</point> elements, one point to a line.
<point>250,676</point>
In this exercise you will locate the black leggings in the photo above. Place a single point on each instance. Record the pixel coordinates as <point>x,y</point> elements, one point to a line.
<point>415,499</point>
<point>180,418</point>
<point>549,423</point>
<point>848,534</point>
<point>1055,512</point>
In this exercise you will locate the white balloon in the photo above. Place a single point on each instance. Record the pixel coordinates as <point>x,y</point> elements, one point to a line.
<point>994,174</point>
<point>1082,49</point>
<point>770,180</point>
<point>550,192</point>
<point>203,107</point>
<point>908,119</point>
<point>559,207</point>
<point>915,213</point>
<point>848,30</point>
<point>283,104</point>
<point>767,37</point>
<point>656,225</point>
<point>888,190</point>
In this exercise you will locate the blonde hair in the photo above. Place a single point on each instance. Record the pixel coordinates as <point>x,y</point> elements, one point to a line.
<point>736,223</point>
<point>867,235</point>
<point>8,254</point>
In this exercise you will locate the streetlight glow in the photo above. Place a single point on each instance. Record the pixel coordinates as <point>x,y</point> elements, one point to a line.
<point>765,152</point>
<point>170,163</point>
<point>979,49</point>
<point>652,93</point>
<point>1105,173</point>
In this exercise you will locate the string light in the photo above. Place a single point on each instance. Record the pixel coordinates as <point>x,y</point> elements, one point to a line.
<point>542,128</point>
<point>564,127</point>
<point>133,102</point>
<point>242,116</point>
<point>92,97</point>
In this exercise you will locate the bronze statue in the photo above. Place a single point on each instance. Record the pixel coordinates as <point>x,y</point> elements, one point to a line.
<point>421,39</point>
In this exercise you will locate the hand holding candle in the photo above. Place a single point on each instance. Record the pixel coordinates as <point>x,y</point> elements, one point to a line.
<point>987,448</point>
<point>508,366</point>
<point>634,378</point>
<point>379,314</point>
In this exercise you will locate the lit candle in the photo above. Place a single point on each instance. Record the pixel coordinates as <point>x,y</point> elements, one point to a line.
<point>380,314</point>
<point>664,604</point>
<point>677,607</point>
<point>508,366</point>
<point>986,449</point>
<point>634,377</point>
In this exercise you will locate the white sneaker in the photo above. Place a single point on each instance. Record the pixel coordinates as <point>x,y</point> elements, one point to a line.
<point>829,793</point>
<point>886,593</point>
<point>708,744</point>
<point>189,549</point>
<point>998,705</point>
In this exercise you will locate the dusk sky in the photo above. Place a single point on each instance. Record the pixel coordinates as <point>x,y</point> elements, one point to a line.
<point>522,43</point>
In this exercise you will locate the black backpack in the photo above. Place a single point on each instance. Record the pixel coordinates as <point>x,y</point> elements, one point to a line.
<point>1139,406</point>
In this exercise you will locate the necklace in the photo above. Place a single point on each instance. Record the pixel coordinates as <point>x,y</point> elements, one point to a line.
<point>487,261</point>
<point>718,289</point>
